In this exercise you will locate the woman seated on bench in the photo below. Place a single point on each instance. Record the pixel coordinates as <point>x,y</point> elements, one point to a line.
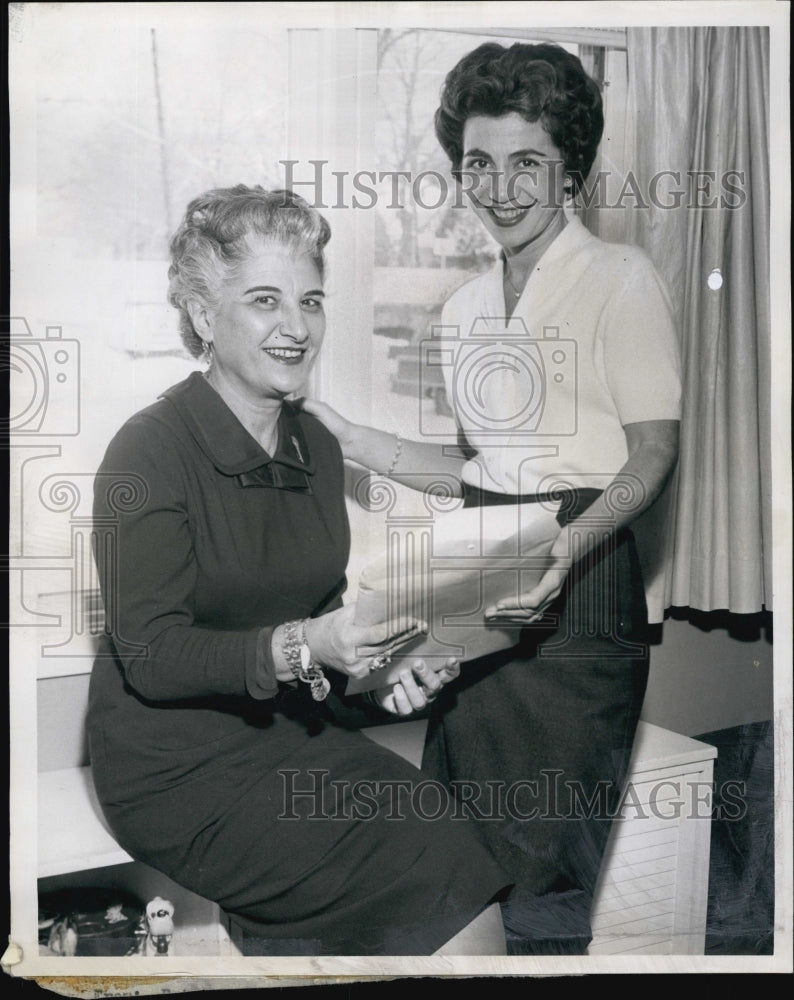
<point>215,702</point>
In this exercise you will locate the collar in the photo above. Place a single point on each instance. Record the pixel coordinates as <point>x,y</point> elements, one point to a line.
<point>230,447</point>
<point>574,235</point>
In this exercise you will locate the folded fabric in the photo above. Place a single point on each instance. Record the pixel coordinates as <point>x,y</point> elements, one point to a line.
<point>446,572</point>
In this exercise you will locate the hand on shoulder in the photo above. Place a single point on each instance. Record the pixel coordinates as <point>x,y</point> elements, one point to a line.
<point>339,426</point>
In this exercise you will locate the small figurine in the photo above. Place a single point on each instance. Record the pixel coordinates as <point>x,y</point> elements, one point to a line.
<point>156,928</point>
<point>63,937</point>
<point>160,923</point>
<point>115,914</point>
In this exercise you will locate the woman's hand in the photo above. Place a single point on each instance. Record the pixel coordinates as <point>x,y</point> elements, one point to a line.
<point>529,607</point>
<point>653,448</point>
<point>420,465</point>
<point>417,687</point>
<point>336,641</point>
<point>341,428</point>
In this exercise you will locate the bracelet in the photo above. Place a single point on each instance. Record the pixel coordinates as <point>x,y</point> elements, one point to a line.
<point>291,647</point>
<point>299,660</point>
<point>396,458</point>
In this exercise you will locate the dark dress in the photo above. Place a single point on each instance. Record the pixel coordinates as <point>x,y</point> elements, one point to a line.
<point>206,767</point>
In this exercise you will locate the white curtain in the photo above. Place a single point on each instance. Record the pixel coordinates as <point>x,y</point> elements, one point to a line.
<point>698,105</point>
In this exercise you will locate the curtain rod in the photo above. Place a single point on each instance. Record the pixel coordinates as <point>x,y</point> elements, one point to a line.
<point>611,38</point>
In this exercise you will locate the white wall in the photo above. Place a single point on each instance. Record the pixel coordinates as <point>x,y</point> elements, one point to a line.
<point>703,681</point>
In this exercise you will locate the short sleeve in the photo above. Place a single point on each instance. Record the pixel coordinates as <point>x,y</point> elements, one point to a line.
<point>448,338</point>
<point>641,347</point>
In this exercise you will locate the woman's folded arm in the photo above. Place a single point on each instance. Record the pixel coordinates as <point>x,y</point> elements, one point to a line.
<point>148,577</point>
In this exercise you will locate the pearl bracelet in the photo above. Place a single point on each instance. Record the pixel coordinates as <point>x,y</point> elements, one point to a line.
<point>396,458</point>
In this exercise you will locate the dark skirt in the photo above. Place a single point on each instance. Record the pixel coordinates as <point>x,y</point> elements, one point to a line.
<point>536,740</point>
<point>314,838</point>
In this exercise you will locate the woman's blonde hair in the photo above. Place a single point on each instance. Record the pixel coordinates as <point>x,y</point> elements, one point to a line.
<point>214,236</point>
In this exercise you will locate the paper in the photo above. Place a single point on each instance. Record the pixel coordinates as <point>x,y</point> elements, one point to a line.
<point>447,573</point>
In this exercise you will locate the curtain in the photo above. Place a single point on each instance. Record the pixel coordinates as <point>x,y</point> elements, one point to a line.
<point>698,106</point>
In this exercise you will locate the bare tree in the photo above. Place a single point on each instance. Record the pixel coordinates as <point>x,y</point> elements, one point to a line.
<point>409,83</point>
<point>407,96</point>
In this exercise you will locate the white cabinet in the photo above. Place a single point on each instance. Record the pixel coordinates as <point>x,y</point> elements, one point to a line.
<point>653,889</point>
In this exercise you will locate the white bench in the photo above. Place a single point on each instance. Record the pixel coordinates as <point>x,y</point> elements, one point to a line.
<point>651,897</point>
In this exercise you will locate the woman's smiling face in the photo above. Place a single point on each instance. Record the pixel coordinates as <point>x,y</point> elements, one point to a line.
<point>513,174</point>
<point>269,325</point>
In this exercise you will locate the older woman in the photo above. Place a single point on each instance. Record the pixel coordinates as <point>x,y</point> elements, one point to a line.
<point>215,743</point>
<point>577,400</point>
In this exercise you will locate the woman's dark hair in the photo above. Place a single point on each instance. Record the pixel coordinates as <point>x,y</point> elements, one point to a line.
<point>541,83</point>
<point>214,237</point>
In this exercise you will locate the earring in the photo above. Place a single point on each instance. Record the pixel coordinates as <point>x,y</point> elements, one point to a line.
<point>208,352</point>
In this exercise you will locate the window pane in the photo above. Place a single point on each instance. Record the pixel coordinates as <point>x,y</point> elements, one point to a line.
<point>138,108</point>
<point>138,114</point>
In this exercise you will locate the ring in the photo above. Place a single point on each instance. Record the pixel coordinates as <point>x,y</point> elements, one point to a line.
<point>380,661</point>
